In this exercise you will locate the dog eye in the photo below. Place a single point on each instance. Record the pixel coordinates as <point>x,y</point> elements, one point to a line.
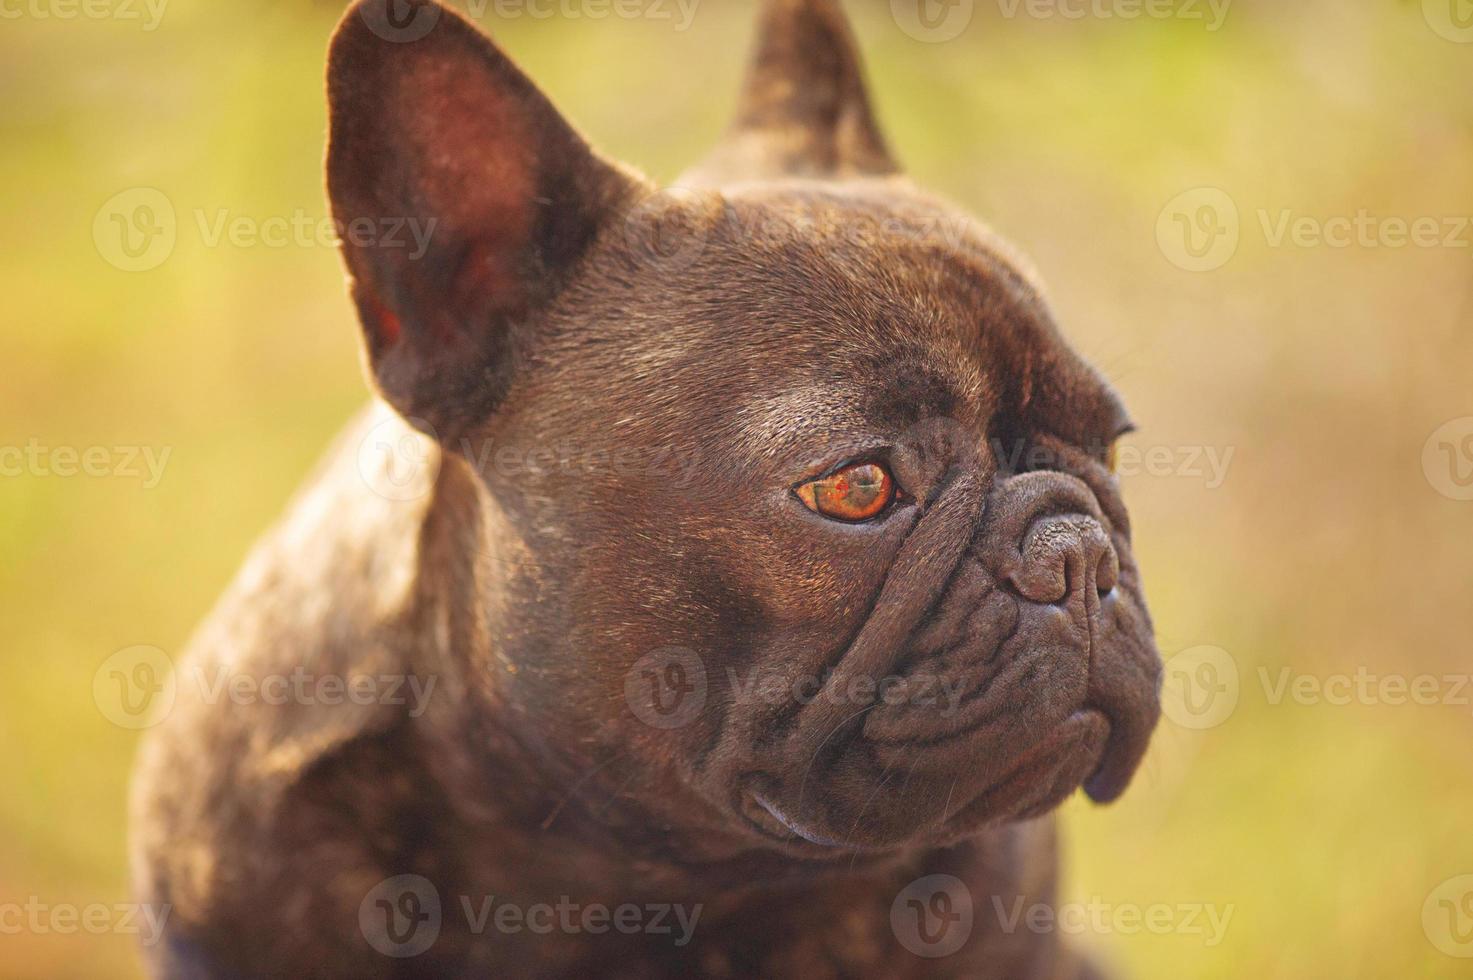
<point>855,493</point>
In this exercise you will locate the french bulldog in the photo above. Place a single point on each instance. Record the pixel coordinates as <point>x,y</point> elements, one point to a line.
<point>765,589</point>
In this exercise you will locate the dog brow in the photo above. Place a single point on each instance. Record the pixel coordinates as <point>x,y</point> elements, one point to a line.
<point>796,414</point>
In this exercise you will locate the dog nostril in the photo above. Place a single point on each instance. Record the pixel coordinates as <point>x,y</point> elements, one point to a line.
<point>1063,556</point>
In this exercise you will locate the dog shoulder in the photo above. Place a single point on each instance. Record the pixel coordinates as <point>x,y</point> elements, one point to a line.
<point>304,659</point>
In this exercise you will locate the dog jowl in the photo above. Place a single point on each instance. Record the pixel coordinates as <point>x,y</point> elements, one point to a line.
<point>833,597</point>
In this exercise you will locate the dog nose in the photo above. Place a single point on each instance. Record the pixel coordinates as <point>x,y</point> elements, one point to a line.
<point>1063,555</point>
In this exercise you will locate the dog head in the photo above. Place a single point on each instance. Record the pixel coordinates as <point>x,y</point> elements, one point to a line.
<point>797,522</point>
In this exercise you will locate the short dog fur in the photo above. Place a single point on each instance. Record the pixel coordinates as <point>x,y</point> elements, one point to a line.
<point>794,305</point>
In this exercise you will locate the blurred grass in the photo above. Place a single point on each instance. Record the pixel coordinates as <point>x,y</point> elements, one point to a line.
<point>1323,369</point>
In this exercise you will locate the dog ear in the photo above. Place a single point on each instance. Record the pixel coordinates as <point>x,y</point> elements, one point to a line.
<point>804,110</point>
<point>463,200</point>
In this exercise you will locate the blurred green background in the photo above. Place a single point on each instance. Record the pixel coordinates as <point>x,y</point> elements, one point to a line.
<point>1330,544</point>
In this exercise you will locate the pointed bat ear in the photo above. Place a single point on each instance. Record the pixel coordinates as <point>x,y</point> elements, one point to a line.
<point>804,110</point>
<point>432,128</point>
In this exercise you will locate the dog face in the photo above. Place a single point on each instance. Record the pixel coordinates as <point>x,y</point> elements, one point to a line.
<point>797,521</point>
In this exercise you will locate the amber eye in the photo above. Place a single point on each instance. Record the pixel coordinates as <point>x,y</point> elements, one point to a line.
<point>1112,456</point>
<point>855,493</point>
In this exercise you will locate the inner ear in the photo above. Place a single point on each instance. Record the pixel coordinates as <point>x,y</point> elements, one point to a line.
<point>444,136</point>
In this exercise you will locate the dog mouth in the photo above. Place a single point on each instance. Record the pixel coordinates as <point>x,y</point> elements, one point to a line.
<point>896,812</point>
<point>769,819</point>
<point>1053,706</point>
<point>1047,772</point>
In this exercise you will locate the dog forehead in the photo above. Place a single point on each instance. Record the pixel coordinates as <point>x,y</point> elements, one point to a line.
<point>867,264</point>
<point>888,217</point>
<point>862,298</point>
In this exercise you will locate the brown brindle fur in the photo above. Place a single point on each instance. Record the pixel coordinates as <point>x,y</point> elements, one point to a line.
<point>796,303</point>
